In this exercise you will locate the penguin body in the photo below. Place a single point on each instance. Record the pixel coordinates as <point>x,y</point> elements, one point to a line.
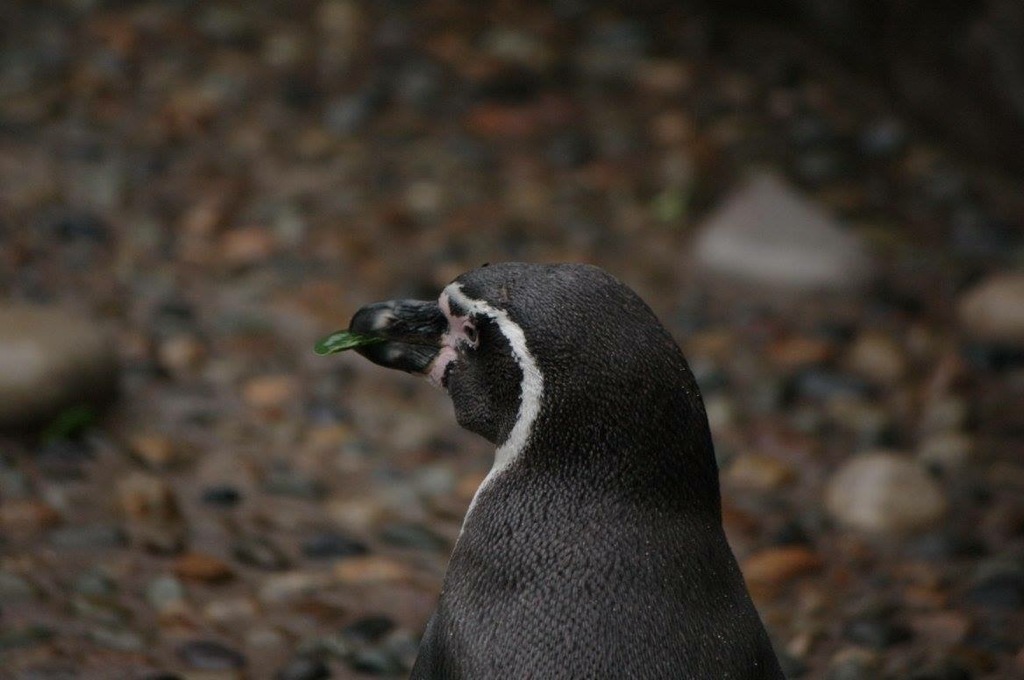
<point>594,548</point>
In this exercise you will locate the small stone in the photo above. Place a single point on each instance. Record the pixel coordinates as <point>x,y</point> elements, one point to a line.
<point>266,641</point>
<point>221,496</point>
<point>105,611</point>
<point>260,551</point>
<point>12,637</point>
<point>943,670</point>
<point>404,646</point>
<point>435,480</point>
<point>998,583</point>
<point>758,472</point>
<point>208,655</point>
<point>291,585</point>
<point>885,493</point>
<point>944,413</point>
<point>270,392</point>
<point>798,351</point>
<point>368,630</point>
<point>828,385</point>
<point>166,595</point>
<point>157,451</point>
<point>665,76</point>
<point>116,638</point>
<point>424,198</point>
<point>469,484</point>
<point>294,483</point>
<point>62,459</point>
<point>90,536</point>
<point>304,668</point>
<point>96,584</point>
<point>413,536</point>
<point>672,127</point>
<point>370,569</point>
<point>231,610</point>
<point>877,358</point>
<point>853,664</point>
<point>27,516</point>
<point>721,412</point>
<point>181,354</point>
<point>773,567</point>
<point>993,311</point>
<point>331,545</point>
<point>247,246</point>
<point>768,234</point>
<point>51,360</point>
<point>202,567</point>
<point>154,517</point>
<point>876,632</point>
<point>376,662</point>
<point>14,589</point>
<point>361,514</point>
<point>945,629</point>
<point>81,226</point>
<point>882,138</point>
<point>947,451</point>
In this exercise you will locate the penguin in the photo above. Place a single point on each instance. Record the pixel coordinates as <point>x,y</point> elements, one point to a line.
<point>594,547</point>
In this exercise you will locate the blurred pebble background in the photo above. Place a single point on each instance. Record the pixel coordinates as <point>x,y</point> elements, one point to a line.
<point>821,200</point>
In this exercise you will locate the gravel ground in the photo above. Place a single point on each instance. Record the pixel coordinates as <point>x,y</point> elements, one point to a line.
<point>216,187</point>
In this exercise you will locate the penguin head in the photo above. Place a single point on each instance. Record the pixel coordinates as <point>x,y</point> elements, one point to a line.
<point>520,347</point>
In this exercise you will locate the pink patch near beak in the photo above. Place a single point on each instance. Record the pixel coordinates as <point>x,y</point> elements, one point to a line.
<point>451,340</point>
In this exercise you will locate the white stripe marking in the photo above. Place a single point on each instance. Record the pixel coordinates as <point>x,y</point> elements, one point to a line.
<point>531,388</point>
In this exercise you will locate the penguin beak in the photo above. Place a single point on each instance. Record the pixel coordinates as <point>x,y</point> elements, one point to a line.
<point>409,333</point>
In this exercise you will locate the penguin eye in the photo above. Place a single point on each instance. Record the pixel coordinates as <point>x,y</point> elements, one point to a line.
<point>470,332</point>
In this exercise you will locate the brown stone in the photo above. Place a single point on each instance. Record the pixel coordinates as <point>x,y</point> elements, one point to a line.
<point>29,516</point>
<point>798,351</point>
<point>370,569</point>
<point>155,450</point>
<point>247,246</point>
<point>202,567</point>
<point>775,566</point>
<point>270,392</point>
<point>757,472</point>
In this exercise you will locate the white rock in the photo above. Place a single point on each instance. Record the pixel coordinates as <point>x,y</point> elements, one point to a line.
<point>51,360</point>
<point>884,492</point>
<point>766,233</point>
<point>993,311</point>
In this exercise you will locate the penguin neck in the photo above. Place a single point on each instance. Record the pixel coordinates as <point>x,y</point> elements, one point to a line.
<point>666,462</point>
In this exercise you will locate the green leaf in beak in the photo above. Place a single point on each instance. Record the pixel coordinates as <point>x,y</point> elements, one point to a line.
<point>339,341</point>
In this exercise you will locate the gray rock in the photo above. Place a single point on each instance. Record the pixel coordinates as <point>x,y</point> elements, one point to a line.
<point>90,536</point>
<point>853,664</point>
<point>885,493</point>
<point>119,639</point>
<point>304,668</point>
<point>768,234</point>
<point>14,589</point>
<point>377,661</point>
<point>25,636</point>
<point>96,584</point>
<point>51,360</point>
<point>209,655</point>
<point>414,536</point>
<point>166,594</point>
<point>998,583</point>
<point>993,311</point>
<point>260,551</point>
